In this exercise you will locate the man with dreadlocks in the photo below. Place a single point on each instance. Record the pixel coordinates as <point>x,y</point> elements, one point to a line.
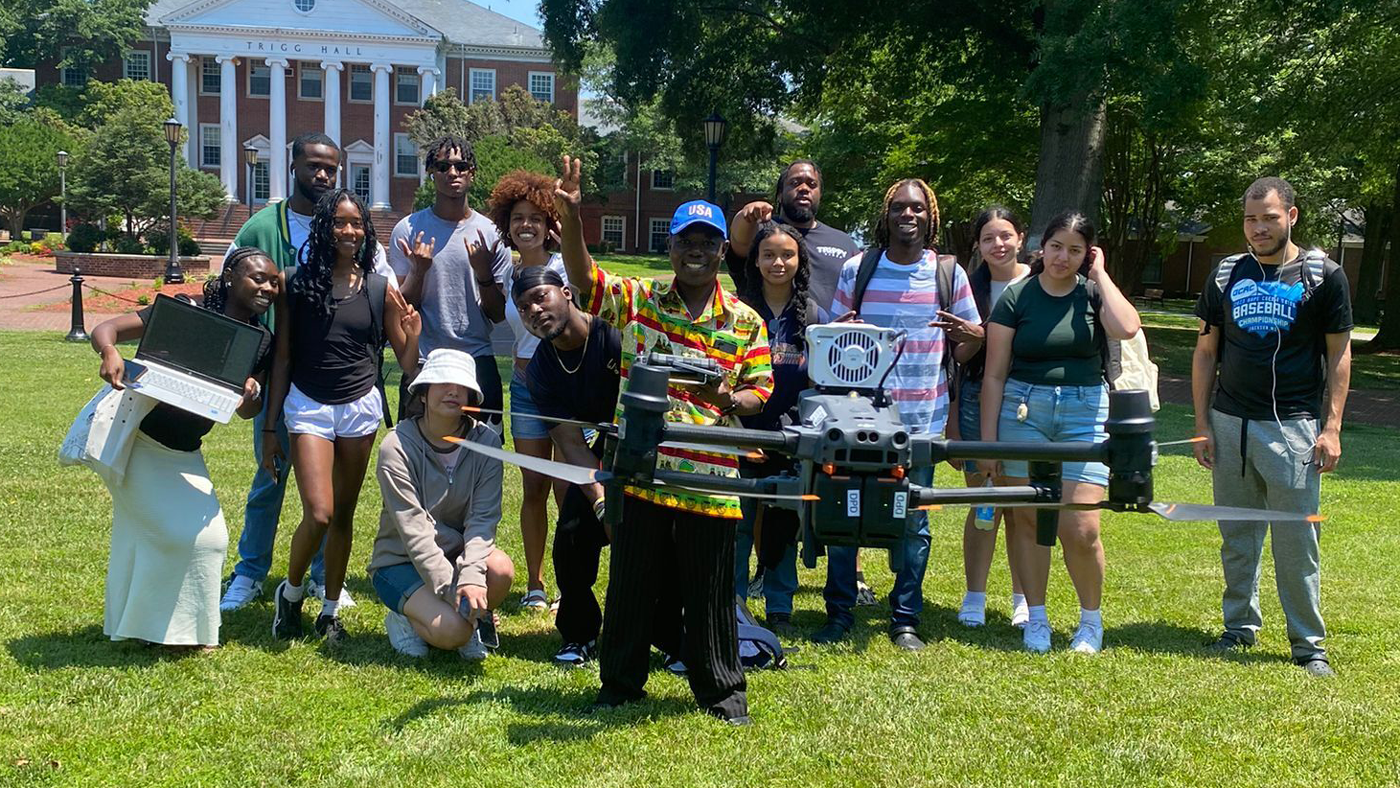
<point>454,267</point>
<point>896,285</point>
<point>798,196</point>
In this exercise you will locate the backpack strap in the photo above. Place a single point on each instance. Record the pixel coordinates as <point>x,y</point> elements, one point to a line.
<point>945,263</point>
<point>1225,270</point>
<point>378,292</point>
<point>1110,357</point>
<point>868,263</point>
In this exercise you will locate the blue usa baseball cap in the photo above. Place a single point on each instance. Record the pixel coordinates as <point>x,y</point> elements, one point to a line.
<point>698,212</point>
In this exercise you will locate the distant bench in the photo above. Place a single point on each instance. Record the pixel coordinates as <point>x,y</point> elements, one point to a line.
<point>1154,294</point>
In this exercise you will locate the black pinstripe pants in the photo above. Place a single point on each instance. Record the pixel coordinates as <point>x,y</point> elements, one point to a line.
<point>654,549</point>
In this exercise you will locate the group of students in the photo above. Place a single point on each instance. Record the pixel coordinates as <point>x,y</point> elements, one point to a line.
<point>1023,331</point>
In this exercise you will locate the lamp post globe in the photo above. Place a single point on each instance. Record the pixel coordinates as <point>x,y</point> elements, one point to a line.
<point>173,274</point>
<point>714,126</point>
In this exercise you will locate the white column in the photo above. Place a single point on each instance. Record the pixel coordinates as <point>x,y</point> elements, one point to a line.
<point>180,95</point>
<point>229,155</point>
<point>332,100</point>
<point>427,79</point>
<point>192,69</point>
<point>383,143</point>
<point>277,130</point>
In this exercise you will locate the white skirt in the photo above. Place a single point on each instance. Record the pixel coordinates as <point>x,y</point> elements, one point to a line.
<point>168,547</point>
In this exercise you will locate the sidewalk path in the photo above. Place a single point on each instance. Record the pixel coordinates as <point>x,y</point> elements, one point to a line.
<point>1371,406</point>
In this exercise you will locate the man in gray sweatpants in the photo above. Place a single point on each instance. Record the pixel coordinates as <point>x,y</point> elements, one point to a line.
<point>1276,324</point>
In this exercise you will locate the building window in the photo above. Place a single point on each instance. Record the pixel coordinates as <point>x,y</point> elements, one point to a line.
<point>483,84</point>
<point>210,76</point>
<point>259,79</point>
<point>406,87</point>
<point>210,150</point>
<point>311,81</point>
<point>542,86</point>
<point>74,76</point>
<point>405,157</point>
<point>136,65</point>
<point>361,84</point>
<point>614,230</point>
<point>262,184</point>
<point>304,6</point>
<point>660,234</point>
<point>663,180</point>
<point>1152,272</point>
<point>359,181</point>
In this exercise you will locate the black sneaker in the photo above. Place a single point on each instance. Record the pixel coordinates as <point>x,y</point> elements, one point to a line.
<point>330,628</point>
<point>907,639</point>
<point>286,619</point>
<point>574,655</point>
<point>1227,643</point>
<point>831,633</point>
<point>782,626</point>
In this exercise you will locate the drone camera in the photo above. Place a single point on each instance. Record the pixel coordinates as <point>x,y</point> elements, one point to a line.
<point>1131,451</point>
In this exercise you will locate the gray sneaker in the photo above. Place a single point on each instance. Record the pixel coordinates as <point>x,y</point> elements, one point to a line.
<point>475,650</point>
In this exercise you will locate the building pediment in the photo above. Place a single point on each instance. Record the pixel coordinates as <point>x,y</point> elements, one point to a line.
<point>357,19</point>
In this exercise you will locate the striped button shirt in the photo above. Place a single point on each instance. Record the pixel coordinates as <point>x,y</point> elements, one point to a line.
<point>652,316</point>
<point>906,297</point>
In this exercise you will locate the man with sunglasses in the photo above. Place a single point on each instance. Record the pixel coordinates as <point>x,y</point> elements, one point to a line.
<point>452,266</point>
<point>281,230</point>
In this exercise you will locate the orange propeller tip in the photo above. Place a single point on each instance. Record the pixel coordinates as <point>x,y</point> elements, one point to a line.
<point>811,497</point>
<point>1316,518</point>
<point>932,507</point>
<point>454,439</point>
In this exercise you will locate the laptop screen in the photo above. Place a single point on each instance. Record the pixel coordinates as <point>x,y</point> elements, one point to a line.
<point>201,342</point>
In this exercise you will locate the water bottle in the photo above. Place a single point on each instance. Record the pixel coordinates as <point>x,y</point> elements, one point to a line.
<point>985,516</point>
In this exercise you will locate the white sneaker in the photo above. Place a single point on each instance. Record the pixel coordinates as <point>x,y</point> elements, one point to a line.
<point>1088,639</point>
<point>972,614</point>
<point>1020,614</point>
<point>475,650</point>
<point>238,592</point>
<point>317,590</point>
<point>402,637</point>
<point>1037,636</point>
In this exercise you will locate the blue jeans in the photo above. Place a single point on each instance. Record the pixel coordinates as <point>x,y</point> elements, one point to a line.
<point>780,582</point>
<point>907,598</point>
<point>1055,414</point>
<point>264,509</point>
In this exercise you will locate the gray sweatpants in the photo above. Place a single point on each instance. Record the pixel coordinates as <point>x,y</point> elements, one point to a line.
<point>1257,464</point>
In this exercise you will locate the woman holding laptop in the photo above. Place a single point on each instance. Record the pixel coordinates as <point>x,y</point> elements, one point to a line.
<point>168,534</point>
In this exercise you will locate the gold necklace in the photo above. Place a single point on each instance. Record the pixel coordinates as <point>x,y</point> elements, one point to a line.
<point>581,357</point>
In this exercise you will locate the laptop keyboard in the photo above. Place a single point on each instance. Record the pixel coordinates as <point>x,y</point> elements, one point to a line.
<point>202,395</point>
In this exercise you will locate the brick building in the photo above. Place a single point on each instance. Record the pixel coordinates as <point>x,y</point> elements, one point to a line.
<point>259,72</point>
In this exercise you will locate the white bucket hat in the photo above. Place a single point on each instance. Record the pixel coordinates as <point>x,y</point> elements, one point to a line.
<point>445,365</point>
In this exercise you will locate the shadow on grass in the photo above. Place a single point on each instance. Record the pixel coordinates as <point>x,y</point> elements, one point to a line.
<point>1160,638</point>
<point>88,647</point>
<point>570,713</point>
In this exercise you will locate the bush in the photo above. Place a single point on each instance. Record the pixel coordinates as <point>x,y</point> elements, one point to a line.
<point>125,244</point>
<point>15,246</point>
<point>158,238</point>
<point>86,238</point>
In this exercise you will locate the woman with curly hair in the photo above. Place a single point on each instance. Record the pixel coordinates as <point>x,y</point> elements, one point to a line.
<point>168,533</point>
<point>522,208</point>
<point>777,276</point>
<point>327,386</point>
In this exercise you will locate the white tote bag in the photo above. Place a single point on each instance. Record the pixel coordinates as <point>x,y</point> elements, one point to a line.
<point>101,435</point>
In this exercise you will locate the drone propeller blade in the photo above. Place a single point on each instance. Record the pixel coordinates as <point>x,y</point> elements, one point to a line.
<point>590,425</point>
<point>573,474</point>
<point>748,454</point>
<point>1186,512</point>
<point>1197,439</point>
<point>935,507</point>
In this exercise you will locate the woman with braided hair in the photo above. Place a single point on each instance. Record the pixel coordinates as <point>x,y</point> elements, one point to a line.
<point>168,533</point>
<point>332,320</point>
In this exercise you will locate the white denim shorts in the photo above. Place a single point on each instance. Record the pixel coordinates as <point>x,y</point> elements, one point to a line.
<point>356,419</point>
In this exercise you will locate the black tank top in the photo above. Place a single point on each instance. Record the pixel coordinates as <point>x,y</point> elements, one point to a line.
<point>331,362</point>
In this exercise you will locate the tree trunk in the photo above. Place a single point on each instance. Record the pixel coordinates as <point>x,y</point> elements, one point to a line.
<point>1069,175</point>
<point>1365,307</point>
<point>1388,337</point>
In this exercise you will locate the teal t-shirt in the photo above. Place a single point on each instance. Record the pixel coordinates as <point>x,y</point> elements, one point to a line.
<point>1056,340</point>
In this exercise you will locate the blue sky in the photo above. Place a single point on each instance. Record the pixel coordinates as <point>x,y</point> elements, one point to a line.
<point>527,11</point>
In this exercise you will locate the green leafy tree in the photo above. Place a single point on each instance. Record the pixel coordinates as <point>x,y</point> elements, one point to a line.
<point>28,166</point>
<point>86,32</point>
<point>495,156</point>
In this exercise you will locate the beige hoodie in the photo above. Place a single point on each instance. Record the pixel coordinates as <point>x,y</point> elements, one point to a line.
<point>445,526</point>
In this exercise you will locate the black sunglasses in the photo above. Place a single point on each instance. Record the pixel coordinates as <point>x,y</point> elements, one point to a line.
<point>459,166</point>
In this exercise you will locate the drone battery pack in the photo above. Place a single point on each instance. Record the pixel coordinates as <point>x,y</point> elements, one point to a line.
<point>860,510</point>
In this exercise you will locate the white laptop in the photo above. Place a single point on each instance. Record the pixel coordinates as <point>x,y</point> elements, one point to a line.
<point>194,359</point>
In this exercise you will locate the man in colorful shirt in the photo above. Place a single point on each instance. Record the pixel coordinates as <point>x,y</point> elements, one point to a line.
<point>676,537</point>
<point>903,294</point>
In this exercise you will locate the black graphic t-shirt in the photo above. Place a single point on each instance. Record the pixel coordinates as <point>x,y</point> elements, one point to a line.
<point>1273,347</point>
<point>578,384</point>
<point>827,249</point>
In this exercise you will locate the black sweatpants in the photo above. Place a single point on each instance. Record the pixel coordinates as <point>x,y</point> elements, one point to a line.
<point>656,549</point>
<point>579,540</point>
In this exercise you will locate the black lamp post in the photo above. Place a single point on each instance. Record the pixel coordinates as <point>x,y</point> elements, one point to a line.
<point>63,192</point>
<point>250,158</point>
<point>173,275</point>
<point>714,137</point>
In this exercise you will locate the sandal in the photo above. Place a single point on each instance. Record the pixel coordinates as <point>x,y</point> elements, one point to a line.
<point>535,599</point>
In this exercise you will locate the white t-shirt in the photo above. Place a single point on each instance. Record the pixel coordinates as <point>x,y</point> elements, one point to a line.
<point>525,342</point>
<point>1000,287</point>
<point>299,228</point>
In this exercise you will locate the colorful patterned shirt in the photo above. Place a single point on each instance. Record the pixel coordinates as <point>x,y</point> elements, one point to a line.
<point>652,316</point>
<point>906,297</point>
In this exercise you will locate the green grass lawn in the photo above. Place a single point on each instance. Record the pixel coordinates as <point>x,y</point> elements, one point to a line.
<point>77,710</point>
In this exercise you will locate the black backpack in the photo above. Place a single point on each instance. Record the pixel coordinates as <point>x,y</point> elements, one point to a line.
<point>870,260</point>
<point>378,285</point>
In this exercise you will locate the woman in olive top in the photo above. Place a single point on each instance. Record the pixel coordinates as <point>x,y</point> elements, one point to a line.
<point>1044,382</point>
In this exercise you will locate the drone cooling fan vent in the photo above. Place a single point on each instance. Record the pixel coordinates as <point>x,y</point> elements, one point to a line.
<point>849,355</point>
